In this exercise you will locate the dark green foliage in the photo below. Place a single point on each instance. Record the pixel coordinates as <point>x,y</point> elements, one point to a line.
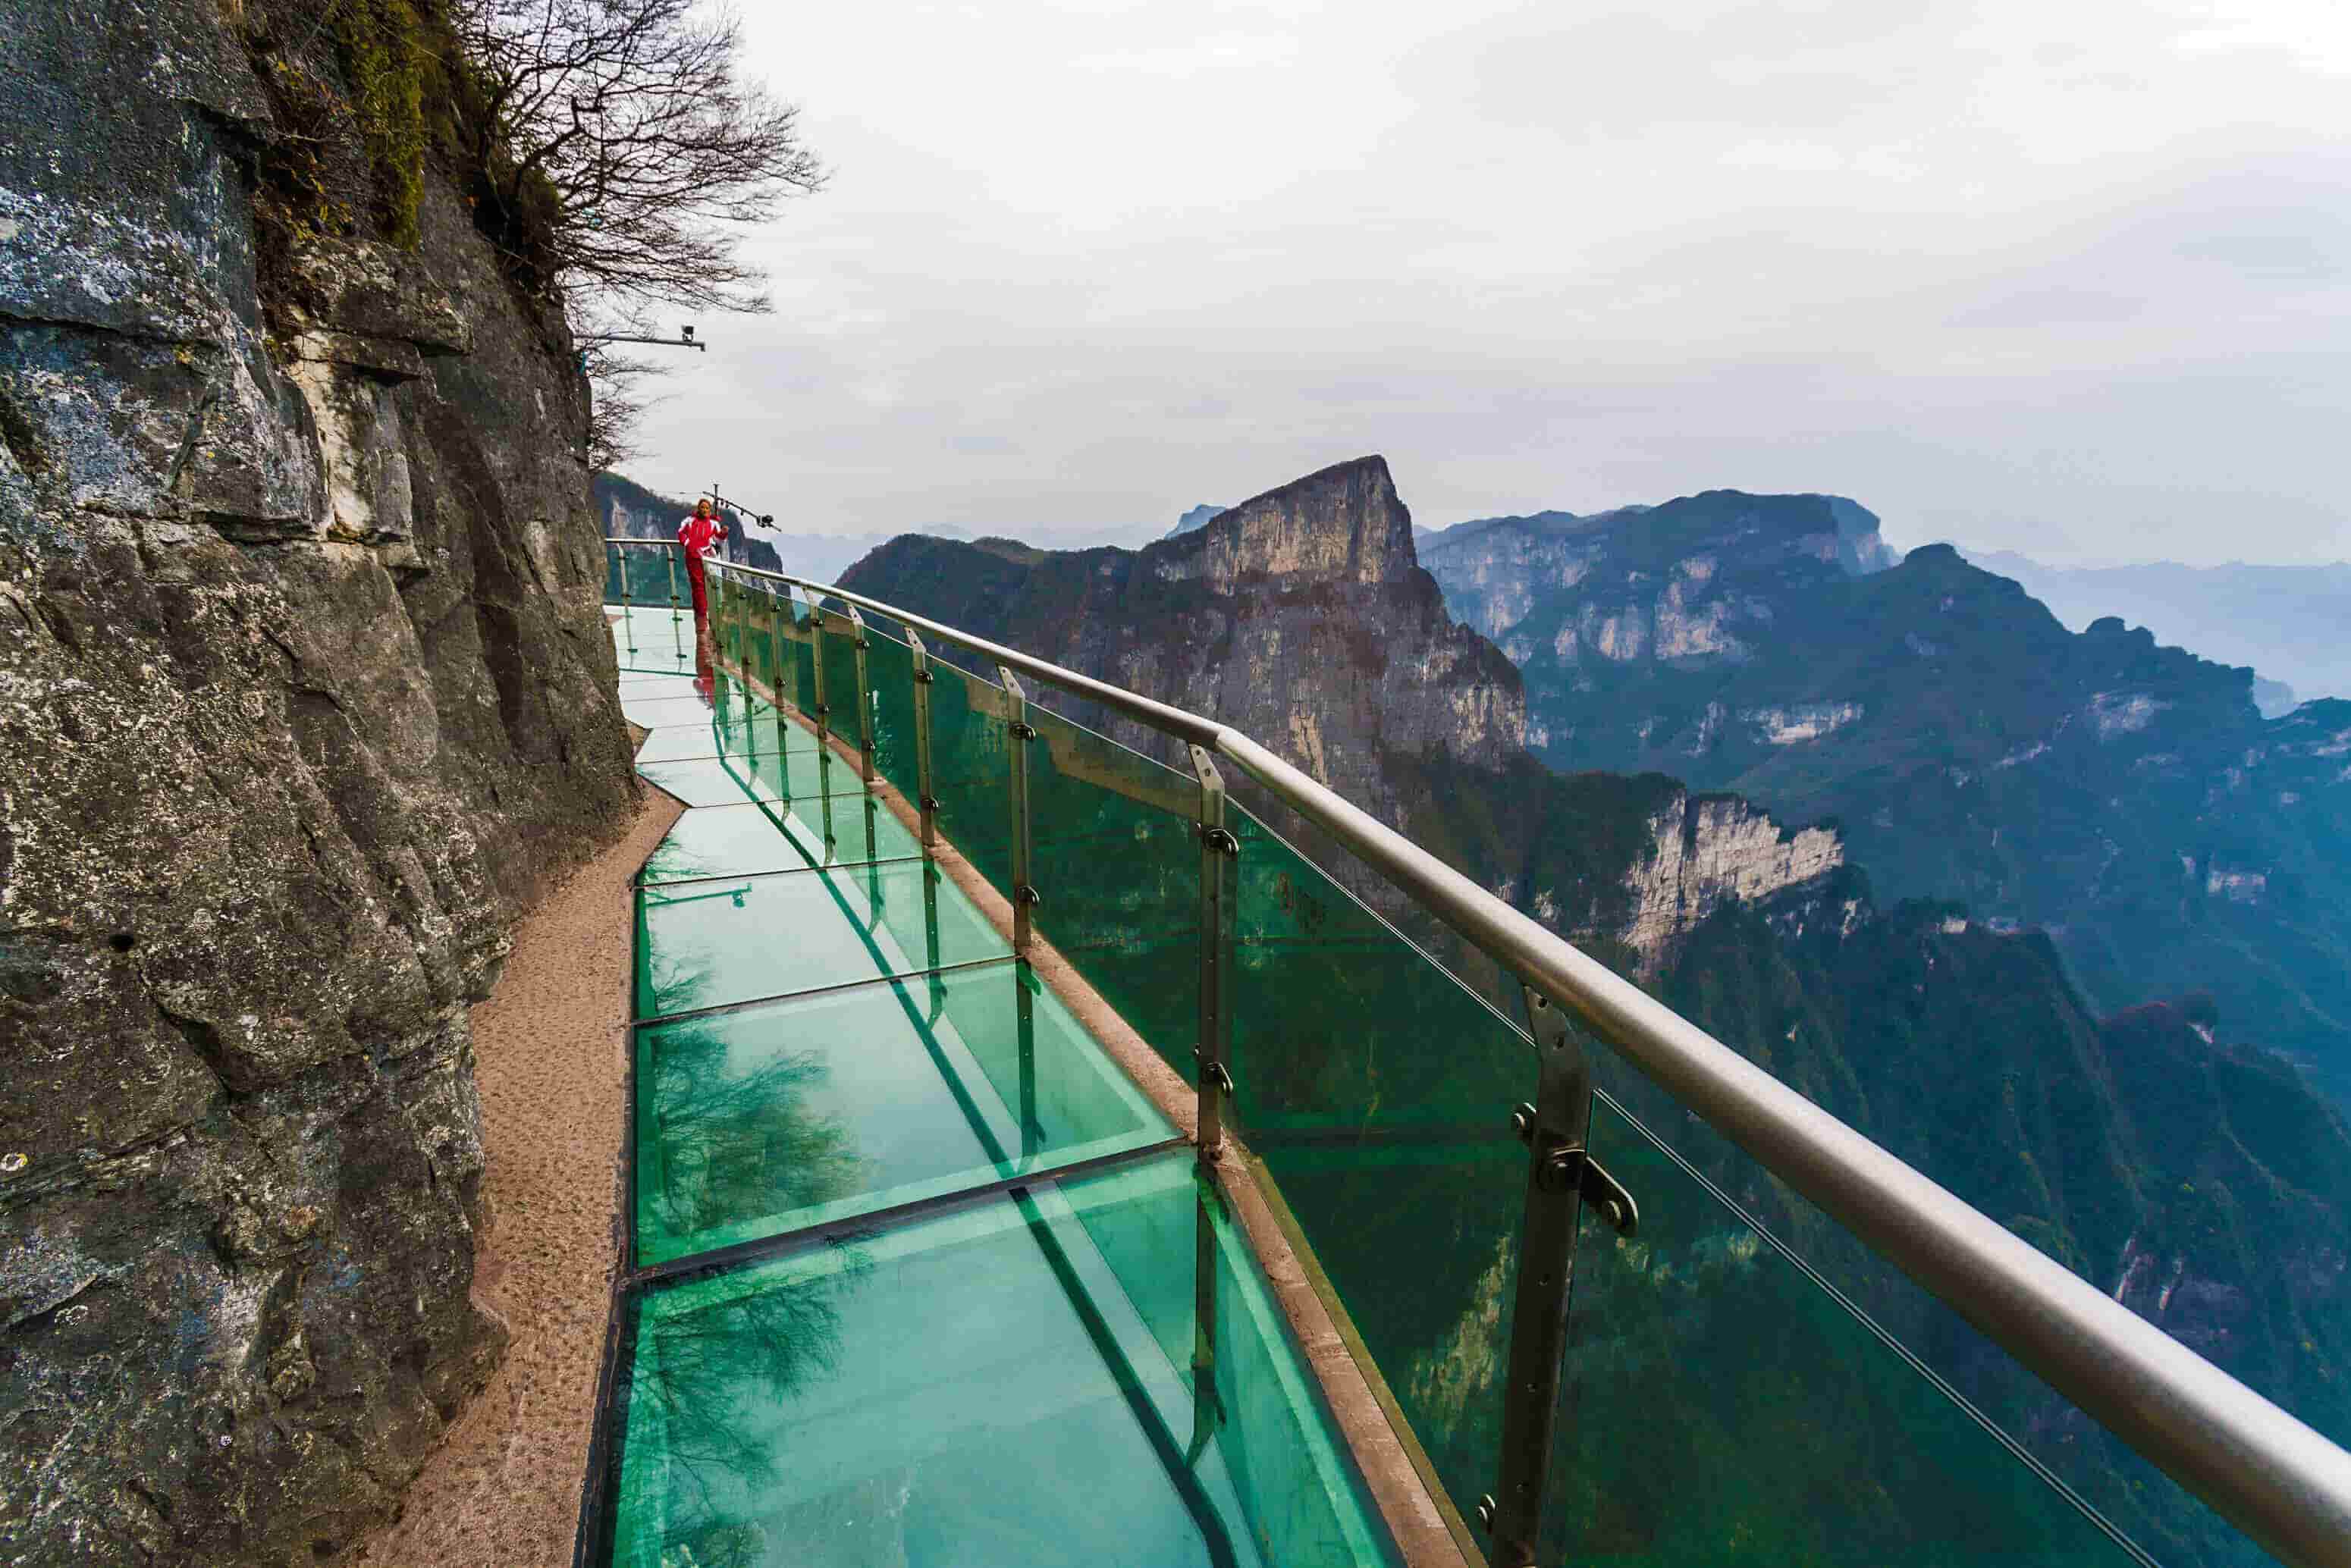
<point>363,91</point>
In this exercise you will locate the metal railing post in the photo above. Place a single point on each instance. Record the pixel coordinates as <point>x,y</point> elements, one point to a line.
<point>669,558</point>
<point>628,609</point>
<point>1024,1007</point>
<point>1208,1405</point>
<point>924,679</point>
<point>864,698</point>
<point>1018,733</point>
<point>824,799</point>
<point>1560,1174</point>
<point>1220,861</point>
<point>816,656</point>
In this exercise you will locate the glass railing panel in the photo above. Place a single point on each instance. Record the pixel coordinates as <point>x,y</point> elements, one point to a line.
<point>1377,1091</point>
<point>651,642</point>
<point>1720,1404</point>
<point>1115,858</point>
<point>1007,1381</point>
<point>890,665</point>
<point>971,771</point>
<point>712,944</point>
<point>645,575</point>
<point>781,1115</point>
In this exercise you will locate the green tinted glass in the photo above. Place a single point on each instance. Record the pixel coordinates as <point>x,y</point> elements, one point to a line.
<point>709,944</point>
<point>1011,1382</point>
<point>785,1114</point>
<point>647,574</point>
<point>1115,857</point>
<point>1363,1068</point>
<point>1722,1405</point>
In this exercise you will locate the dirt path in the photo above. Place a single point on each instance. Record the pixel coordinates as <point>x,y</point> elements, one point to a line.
<point>504,1490</point>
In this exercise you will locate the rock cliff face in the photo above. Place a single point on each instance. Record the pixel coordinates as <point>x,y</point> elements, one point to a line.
<point>304,697</point>
<point>1672,582</point>
<point>1301,615</point>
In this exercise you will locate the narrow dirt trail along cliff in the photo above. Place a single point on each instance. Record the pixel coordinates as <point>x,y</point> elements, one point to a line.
<point>552,1043</point>
<point>304,697</point>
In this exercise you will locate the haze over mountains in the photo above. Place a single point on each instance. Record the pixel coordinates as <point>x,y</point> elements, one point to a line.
<point>2162,1151</point>
<point>2288,622</point>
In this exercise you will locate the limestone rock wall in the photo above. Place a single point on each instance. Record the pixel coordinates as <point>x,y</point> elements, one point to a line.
<point>304,697</point>
<point>1300,616</point>
<point>1709,851</point>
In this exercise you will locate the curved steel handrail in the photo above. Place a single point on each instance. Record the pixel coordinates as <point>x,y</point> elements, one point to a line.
<point>2277,1479</point>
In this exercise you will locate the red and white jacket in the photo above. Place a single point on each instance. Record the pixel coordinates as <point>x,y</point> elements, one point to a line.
<point>700,535</point>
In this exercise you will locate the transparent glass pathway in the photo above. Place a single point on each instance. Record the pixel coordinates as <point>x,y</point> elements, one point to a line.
<point>915,1274</point>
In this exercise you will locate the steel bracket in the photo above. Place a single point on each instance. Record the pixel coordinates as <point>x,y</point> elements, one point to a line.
<point>1555,1127</point>
<point>1219,905</point>
<point>1215,1073</point>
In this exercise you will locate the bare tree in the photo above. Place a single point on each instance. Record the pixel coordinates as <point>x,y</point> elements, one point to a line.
<point>618,137</point>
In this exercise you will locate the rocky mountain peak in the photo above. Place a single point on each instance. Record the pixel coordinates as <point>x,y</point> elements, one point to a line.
<point>1341,524</point>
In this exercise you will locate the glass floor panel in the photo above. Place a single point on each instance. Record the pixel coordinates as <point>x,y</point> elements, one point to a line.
<point>711,944</point>
<point>798,1113</point>
<point>1008,1383</point>
<point>657,710</point>
<point>703,781</point>
<point>656,655</point>
<point>754,839</point>
<point>672,741</point>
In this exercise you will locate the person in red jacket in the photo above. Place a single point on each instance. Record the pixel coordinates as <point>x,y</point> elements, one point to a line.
<point>698,535</point>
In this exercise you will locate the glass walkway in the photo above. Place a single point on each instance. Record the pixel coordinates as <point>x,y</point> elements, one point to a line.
<point>915,1274</point>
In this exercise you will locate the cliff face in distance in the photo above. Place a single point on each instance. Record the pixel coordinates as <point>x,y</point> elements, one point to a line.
<point>2127,798</point>
<point>1300,615</point>
<point>305,694</point>
<point>2137,1150</point>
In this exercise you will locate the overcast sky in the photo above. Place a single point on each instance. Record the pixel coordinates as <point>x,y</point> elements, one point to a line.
<point>2067,277</point>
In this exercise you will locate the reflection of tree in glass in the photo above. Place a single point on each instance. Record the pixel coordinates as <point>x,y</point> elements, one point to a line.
<point>706,1402</point>
<point>736,1144</point>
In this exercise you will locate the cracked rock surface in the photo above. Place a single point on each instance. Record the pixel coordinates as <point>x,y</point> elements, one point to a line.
<point>305,697</point>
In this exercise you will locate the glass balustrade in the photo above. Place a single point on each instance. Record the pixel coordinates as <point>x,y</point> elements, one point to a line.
<point>1742,1382</point>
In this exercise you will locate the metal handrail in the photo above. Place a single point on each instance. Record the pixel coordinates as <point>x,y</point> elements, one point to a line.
<point>2277,1477</point>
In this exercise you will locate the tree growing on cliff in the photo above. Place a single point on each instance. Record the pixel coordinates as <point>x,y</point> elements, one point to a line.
<point>621,151</point>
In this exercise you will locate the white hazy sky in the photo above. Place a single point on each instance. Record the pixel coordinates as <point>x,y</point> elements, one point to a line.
<point>2069,276</point>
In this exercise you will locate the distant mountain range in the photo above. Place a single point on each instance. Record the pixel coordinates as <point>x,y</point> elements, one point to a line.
<point>2288,622</point>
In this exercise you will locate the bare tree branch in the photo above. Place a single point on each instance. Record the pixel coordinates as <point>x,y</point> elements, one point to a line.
<point>621,137</point>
